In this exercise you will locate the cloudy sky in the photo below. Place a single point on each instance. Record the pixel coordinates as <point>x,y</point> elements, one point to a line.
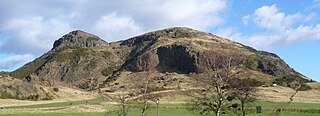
<point>288,28</point>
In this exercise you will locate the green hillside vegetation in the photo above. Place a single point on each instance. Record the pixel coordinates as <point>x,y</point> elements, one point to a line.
<point>64,109</point>
<point>3,74</point>
<point>292,81</point>
<point>68,53</point>
<point>28,68</point>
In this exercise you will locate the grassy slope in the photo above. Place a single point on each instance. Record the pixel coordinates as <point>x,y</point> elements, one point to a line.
<point>165,109</point>
<point>60,104</point>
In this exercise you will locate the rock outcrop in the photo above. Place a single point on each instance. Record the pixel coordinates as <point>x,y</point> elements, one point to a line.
<point>185,50</point>
<point>78,38</point>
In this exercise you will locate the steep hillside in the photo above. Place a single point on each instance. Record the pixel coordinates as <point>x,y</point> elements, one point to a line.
<point>77,59</point>
<point>83,60</point>
<point>186,50</point>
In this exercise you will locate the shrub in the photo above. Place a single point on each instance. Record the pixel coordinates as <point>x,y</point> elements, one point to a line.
<point>110,90</point>
<point>102,85</point>
<point>33,97</point>
<point>84,86</point>
<point>304,87</point>
<point>280,81</point>
<point>108,71</point>
<point>55,89</point>
<point>92,39</point>
<point>6,95</point>
<point>288,80</point>
<point>3,74</point>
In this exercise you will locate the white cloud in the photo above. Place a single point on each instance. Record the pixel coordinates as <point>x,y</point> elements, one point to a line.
<point>32,34</point>
<point>269,17</point>
<point>310,17</point>
<point>272,40</point>
<point>199,14</point>
<point>265,41</point>
<point>34,25</point>
<point>278,28</point>
<point>113,27</point>
<point>31,27</point>
<point>303,33</point>
<point>12,61</point>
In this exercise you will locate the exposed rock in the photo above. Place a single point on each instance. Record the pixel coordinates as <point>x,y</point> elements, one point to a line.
<point>272,66</point>
<point>186,50</point>
<point>145,62</point>
<point>176,58</point>
<point>78,38</point>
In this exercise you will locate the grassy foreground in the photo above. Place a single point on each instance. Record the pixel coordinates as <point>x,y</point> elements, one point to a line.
<point>94,108</point>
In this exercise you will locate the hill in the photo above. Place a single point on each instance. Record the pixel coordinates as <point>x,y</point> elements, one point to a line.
<point>82,60</point>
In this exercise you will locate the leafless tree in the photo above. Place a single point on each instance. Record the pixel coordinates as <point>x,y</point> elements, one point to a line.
<point>244,90</point>
<point>123,103</point>
<point>142,87</point>
<point>213,86</point>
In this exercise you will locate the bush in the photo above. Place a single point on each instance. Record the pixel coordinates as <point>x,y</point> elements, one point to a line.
<point>280,81</point>
<point>33,97</point>
<point>110,90</point>
<point>6,95</point>
<point>84,86</point>
<point>55,89</point>
<point>290,80</point>
<point>109,70</point>
<point>3,74</point>
<point>304,87</point>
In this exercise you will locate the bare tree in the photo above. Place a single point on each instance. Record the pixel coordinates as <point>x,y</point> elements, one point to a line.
<point>213,86</point>
<point>123,105</point>
<point>122,99</point>
<point>145,97</point>
<point>244,90</point>
<point>142,88</point>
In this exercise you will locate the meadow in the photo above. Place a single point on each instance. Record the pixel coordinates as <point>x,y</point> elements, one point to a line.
<point>100,107</point>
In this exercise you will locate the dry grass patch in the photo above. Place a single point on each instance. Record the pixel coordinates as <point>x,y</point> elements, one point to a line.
<point>275,94</point>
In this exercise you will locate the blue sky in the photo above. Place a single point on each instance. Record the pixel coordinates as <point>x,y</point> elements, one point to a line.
<point>289,28</point>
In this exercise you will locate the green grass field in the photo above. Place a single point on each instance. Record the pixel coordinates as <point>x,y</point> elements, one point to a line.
<point>293,109</point>
<point>61,104</point>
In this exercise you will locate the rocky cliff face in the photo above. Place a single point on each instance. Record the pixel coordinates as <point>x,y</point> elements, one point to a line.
<point>84,60</point>
<point>78,38</point>
<point>186,50</point>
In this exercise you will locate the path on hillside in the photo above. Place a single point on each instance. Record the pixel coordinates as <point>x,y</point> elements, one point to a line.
<point>277,111</point>
<point>108,96</point>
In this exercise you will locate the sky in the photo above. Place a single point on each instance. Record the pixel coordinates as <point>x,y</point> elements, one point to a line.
<point>289,28</point>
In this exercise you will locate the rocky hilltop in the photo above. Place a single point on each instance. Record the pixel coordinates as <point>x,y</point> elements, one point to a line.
<point>186,50</point>
<point>78,38</point>
<point>83,60</point>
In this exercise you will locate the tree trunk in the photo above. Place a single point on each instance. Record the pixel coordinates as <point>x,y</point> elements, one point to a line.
<point>143,112</point>
<point>242,108</point>
<point>124,110</point>
<point>218,112</point>
<point>219,107</point>
<point>145,106</point>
